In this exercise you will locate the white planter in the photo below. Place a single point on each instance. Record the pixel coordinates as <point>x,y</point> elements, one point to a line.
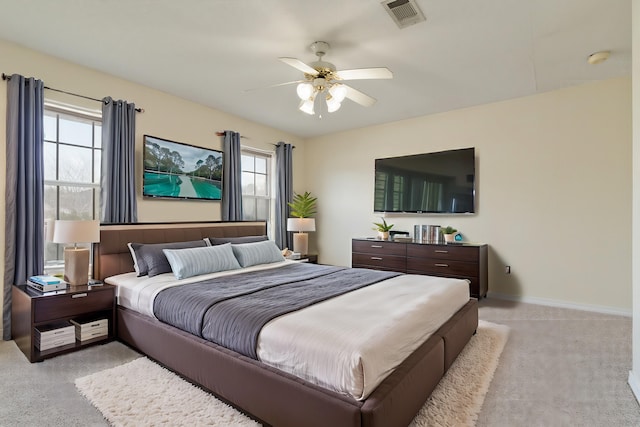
<point>449,238</point>
<point>383,235</point>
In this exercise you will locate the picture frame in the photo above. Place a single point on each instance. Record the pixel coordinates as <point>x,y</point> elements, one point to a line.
<point>179,171</point>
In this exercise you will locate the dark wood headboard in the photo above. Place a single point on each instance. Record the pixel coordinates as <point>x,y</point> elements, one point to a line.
<point>112,256</point>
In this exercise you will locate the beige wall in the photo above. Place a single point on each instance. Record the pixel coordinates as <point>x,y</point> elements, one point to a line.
<point>634,374</point>
<point>165,116</point>
<point>553,189</point>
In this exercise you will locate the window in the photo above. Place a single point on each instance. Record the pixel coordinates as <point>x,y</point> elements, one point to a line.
<point>389,191</point>
<point>72,156</point>
<point>256,185</point>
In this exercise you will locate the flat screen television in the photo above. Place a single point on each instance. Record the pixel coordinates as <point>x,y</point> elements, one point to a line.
<point>180,171</point>
<point>441,182</point>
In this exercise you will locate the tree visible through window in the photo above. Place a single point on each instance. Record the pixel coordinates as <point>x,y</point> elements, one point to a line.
<point>72,156</point>
<point>256,186</point>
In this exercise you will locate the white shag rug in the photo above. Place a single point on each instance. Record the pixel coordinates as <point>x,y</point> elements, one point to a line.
<point>142,393</point>
<point>457,399</point>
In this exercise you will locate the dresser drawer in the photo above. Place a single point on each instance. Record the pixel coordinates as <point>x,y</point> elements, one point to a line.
<point>74,304</point>
<point>442,267</point>
<point>379,247</point>
<point>468,261</point>
<point>446,252</point>
<point>381,262</point>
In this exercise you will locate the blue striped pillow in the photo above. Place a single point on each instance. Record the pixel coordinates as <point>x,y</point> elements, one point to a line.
<point>249,254</point>
<point>196,261</point>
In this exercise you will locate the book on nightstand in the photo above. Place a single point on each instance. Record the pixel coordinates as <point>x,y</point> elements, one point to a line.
<point>46,287</point>
<point>45,279</point>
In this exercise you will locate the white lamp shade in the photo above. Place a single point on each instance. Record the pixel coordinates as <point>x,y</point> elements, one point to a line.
<point>332,105</point>
<point>338,92</point>
<point>304,90</point>
<point>301,224</point>
<point>307,106</point>
<point>76,231</point>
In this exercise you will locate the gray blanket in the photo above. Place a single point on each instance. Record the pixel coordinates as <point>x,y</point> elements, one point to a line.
<point>231,311</point>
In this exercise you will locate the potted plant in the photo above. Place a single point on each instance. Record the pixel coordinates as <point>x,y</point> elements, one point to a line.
<point>383,229</point>
<point>303,205</point>
<point>449,233</point>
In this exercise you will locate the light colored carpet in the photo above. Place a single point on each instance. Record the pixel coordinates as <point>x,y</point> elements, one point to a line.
<point>457,400</point>
<point>141,393</point>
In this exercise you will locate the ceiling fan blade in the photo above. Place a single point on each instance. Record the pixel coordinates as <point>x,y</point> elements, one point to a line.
<point>359,97</point>
<point>365,73</point>
<point>270,86</point>
<point>296,63</point>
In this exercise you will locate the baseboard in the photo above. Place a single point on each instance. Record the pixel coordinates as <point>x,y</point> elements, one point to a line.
<point>634,383</point>
<point>562,304</point>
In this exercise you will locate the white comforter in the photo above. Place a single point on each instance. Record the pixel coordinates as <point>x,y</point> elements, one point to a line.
<point>348,344</point>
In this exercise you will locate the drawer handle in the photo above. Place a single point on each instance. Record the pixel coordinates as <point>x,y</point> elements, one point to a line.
<point>441,265</point>
<point>376,258</point>
<point>440,251</point>
<point>376,246</point>
<point>82,295</point>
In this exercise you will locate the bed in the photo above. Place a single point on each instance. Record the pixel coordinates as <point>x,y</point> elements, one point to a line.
<point>265,392</point>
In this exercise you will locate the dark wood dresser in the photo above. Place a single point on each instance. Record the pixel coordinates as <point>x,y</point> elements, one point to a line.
<point>463,261</point>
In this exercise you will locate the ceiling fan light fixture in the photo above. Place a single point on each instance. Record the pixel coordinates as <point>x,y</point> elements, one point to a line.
<point>338,92</point>
<point>333,104</point>
<point>307,105</point>
<point>305,90</point>
<point>322,77</point>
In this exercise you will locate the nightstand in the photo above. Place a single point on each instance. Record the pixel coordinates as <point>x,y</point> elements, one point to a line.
<point>310,258</point>
<point>31,310</point>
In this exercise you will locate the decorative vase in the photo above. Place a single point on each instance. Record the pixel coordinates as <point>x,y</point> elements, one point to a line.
<point>448,238</point>
<point>383,235</point>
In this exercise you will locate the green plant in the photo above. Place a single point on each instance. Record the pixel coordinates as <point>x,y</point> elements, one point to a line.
<point>303,205</point>
<point>448,230</point>
<point>382,226</point>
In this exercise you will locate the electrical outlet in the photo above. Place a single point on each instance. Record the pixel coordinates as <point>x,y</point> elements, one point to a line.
<point>507,269</point>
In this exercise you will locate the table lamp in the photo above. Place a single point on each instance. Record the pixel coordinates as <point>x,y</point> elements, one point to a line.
<point>76,259</point>
<point>301,239</point>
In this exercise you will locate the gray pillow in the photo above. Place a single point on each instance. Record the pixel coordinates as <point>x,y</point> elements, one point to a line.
<point>196,261</point>
<point>249,254</point>
<point>150,259</point>
<point>236,240</point>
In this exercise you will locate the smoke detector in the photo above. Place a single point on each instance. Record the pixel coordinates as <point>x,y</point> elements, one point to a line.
<point>403,12</point>
<point>598,57</point>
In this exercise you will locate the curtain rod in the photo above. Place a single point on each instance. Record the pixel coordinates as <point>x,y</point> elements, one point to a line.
<point>221,133</point>
<point>8,77</point>
<point>275,145</point>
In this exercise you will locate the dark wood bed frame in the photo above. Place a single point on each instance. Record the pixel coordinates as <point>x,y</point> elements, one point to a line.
<point>271,396</point>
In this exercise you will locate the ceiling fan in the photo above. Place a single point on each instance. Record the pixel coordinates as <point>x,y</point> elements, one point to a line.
<point>321,77</point>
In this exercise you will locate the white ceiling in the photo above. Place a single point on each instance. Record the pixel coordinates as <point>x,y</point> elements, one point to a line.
<point>468,52</point>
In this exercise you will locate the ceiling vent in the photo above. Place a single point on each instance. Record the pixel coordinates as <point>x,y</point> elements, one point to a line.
<point>404,12</point>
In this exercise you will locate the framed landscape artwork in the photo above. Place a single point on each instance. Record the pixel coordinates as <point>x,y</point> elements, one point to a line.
<point>175,170</point>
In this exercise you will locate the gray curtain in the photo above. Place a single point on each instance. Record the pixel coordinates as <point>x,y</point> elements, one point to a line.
<point>231,178</point>
<point>118,184</point>
<point>284,193</point>
<point>24,201</point>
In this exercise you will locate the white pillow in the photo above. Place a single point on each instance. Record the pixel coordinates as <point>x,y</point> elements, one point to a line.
<point>249,254</point>
<point>135,258</point>
<point>196,261</point>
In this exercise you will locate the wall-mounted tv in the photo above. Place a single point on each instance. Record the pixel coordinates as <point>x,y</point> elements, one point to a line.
<point>441,182</point>
<point>180,171</point>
